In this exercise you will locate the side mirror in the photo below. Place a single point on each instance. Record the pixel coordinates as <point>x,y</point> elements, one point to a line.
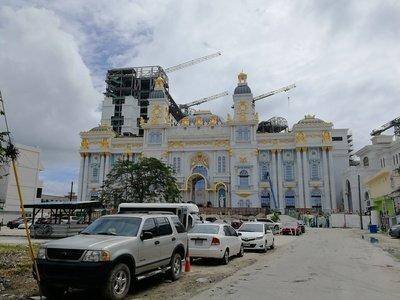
<point>146,235</point>
<point>239,233</point>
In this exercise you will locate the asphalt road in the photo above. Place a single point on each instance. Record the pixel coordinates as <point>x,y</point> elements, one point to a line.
<point>322,264</point>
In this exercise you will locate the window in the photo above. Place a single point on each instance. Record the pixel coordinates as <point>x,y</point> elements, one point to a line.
<point>314,170</point>
<point>248,203</point>
<point>205,228</point>
<point>155,138</point>
<point>221,164</point>
<point>95,173</point>
<point>241,203</point>
<point>290,199</point>
<point>316,199</point>
<point>232,231</point>
<point>164,228</point>
<point>227,231</point>
<point>178,225</point>
<point>114,226</point>
<point>244,178</point>
<point>366,161</point>
<point>222,197</point>
<point>265,198</point>
<point>337,138</point>
<point>201,170</point>
<point>288,171</point>
<point>176,165</point>
<point>264,173</point>
<point>243,134</point>
<point>39,193</point>
<point>150,226</point>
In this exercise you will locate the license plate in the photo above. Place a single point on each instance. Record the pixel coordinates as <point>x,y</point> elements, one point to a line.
<point>246,244</point>
<point>198,242</point>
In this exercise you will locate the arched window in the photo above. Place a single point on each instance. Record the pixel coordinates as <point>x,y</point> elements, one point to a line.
<point>221,166</point>
<point>241,203</point>
<point>290,200</point>
<point>155,138</point>
<point>201,170</point>
<point>316,199</point>
<point>248,203</point>
<point>244,179</point>
<point>176,165</point>
<point>366,161</point>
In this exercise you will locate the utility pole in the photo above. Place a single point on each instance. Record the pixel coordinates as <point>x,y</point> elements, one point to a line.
<point>359,202</point>
<point>70,193</point>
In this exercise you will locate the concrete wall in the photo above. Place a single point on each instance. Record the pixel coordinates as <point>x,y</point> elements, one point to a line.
<point>348,221</point>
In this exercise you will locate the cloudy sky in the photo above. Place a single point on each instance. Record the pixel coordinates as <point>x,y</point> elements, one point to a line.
<point>342,55</point>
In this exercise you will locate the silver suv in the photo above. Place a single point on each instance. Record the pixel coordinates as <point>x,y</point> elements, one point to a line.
<point>111,253</point>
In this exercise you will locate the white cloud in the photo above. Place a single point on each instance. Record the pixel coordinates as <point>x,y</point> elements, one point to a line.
<point>342,55</point>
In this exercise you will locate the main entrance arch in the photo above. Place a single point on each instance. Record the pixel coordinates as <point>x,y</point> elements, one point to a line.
<point>197,185</point>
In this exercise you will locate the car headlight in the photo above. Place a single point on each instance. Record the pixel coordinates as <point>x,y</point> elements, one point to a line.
<point>96,256</point>
<point>41,254</point>
<point>259,238</point>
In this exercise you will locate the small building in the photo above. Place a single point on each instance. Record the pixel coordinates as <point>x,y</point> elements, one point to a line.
<point>29,167</point>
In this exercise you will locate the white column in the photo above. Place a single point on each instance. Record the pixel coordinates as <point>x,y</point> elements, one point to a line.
<point>300,201</point>
<point>326,204</point>
<point>332,179</point>
<point>274,176</point>
<point>280,197</point>
<point>85,178</point>
<point>102,171</point>
<point>306,180</point>
<point>107,164</point>
<point>80,178</point>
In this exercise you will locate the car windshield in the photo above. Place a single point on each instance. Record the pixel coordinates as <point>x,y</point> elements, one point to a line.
<point>248,227</point>
<point>207,229</point>
<point>114,226</point>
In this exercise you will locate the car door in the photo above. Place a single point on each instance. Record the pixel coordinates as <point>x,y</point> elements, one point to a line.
<point>149,249</point>
<point>166,238</point>
<point>236,240</point>
<point>230,240</point>
<point>269,237</point>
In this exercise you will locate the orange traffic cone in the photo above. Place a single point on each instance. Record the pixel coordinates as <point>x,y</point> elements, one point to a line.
<point>187,264</point>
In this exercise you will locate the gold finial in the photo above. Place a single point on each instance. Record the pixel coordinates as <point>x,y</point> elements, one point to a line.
<point>159,82</point>
<point>242,77</point>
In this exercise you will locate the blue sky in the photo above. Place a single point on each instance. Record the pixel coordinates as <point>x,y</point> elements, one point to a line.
<point>342,55</point>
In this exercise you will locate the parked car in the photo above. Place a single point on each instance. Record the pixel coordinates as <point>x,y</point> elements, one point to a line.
<point>112,253</point>
<point>214,240</point>
<point>292,228</point>
<point>394,231</point>
<point>256,236</point>
<point>302,226</point>
<point>274,226</point>
<point>22,225</point>
<point>15,223</point>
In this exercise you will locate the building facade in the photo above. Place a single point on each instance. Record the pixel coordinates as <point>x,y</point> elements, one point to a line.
<point>29,167</point>
<point>227,163</point>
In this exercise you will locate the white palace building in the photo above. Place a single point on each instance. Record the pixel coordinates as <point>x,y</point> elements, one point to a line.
<point>225,163</point>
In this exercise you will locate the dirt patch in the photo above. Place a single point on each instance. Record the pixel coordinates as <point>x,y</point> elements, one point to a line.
<point>203,274</point>
<point>16,281</point>
<point>385,242</point>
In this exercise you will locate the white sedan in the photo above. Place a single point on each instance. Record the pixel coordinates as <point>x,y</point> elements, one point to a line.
<point>256,236</point>
<point>210,240</point>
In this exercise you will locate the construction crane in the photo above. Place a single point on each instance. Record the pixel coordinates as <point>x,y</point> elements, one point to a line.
<point>271,93</point>
<point>191,62</point>
<point>395,123</point>
<point>186,107</point>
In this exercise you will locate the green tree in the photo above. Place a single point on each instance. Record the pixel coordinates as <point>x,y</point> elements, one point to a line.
<point>148,180</point>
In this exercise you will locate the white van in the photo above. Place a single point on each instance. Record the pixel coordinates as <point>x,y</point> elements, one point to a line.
<point>188,213</point>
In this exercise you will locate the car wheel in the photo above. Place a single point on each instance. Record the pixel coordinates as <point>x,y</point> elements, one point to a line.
<point>225,258</point>
<point>118,283</point>
<point>176,266</point>
<point>241,252</point>
<point>52,292</point>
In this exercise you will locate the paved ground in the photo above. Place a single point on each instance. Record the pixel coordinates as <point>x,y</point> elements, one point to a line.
<point>323,264</point>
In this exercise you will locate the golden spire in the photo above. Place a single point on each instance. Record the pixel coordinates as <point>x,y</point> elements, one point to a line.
<point>242,77</point>
<point>159,82</point>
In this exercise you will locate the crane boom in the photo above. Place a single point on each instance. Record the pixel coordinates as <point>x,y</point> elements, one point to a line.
<point>394,123</point>
<point>203,100</point>
<point>271,93</point>
<point>191,62</point>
